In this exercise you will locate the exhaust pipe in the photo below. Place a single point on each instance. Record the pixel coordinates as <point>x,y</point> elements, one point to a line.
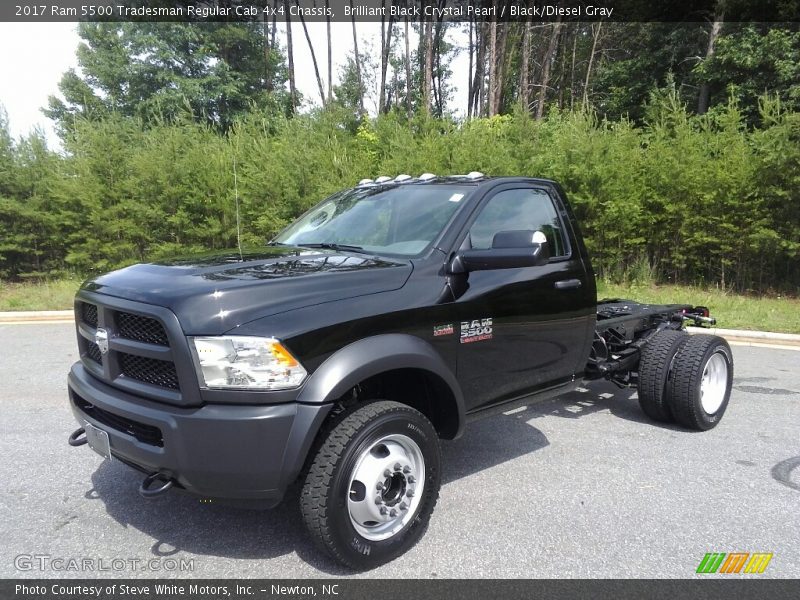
<point>76,440</point>
<point>145,489</point>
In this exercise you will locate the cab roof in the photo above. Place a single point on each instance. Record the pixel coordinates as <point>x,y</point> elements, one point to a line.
<point>474,177</point>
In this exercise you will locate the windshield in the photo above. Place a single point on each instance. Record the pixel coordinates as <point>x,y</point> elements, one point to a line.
<point>400,220</point>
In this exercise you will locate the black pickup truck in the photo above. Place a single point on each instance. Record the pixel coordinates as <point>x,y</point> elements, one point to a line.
<point>338,355</point>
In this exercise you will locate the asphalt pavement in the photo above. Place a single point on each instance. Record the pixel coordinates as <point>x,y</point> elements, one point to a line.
<point>581,486</point>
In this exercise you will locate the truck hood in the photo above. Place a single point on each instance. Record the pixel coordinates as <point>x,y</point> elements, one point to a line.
<point>212,294</point>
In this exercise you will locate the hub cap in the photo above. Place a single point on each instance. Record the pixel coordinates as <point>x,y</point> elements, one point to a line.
<point>714,383</point>
<point>386,487</point>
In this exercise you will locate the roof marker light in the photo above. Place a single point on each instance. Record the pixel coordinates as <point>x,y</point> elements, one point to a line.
<point>475,175</point>
<point>365,181</point>
<point>427,176</point>
<point>402,177</point>
<point>382,179</point>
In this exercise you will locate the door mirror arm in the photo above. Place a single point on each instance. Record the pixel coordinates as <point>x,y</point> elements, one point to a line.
<point>457,266</point>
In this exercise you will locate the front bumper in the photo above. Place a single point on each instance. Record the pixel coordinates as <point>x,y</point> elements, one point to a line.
<point>236,452</point>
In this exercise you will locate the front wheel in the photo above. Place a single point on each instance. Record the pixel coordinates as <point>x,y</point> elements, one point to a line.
<point>700,381</point>
<point>373,484</point>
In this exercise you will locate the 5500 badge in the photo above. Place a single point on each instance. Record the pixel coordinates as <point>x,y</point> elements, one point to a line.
<point>476,330</point>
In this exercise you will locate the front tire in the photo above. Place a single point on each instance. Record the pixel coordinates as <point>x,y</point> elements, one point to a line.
<point>373,484</point>
<point>700,382</point>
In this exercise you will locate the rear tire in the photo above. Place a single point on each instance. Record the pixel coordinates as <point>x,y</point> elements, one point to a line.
<point>373,484</point>
<point>699,386</point>
<point>654,366</point>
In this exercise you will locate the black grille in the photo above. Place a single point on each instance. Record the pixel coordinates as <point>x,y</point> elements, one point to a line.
<point>142,329</point>
<point>144,433</point>
<point>93,352</point>
<point>149,370</point>
<point>89,314</point>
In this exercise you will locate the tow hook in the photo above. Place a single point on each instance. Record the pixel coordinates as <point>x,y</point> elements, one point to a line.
<point>76,440</point>
<point>151,492</point>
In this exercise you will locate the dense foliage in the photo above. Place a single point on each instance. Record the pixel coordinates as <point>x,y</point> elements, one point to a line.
<point>679,144</point>
<point>157,71</point>
<point>683,198</point>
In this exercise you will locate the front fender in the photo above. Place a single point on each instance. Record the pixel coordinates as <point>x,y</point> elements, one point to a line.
<point>374,355</point>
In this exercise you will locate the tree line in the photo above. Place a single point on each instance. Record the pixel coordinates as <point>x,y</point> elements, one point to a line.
<point>218,71</point>
<point>679,144</point>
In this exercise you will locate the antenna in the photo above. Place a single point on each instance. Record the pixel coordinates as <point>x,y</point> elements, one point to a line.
<point>238,220</point>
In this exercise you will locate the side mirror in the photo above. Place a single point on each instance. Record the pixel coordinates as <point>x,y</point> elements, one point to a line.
<point>510,250</point>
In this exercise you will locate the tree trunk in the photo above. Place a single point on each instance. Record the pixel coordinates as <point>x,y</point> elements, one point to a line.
<point>267,56</point>
<point>524,75</point>
<point>386,46</point>
<point>562,70</point>
<point>313,55</point>
<point>595,38</point>
<point>705,91</point>
<point>408,71</point>
<point>357,57</point>
<point>274,24</point>
<point>330,52</point>
<point>436,74</point>
<point>481,108</point>
<point>492,68</point>
<point>428,76</point>
<point>385,57</point>
<point>382,89</point>
<point>469,73</point>
<point>290,58</point>
<point>480,70</point>
<point>546,62</point>
<point>572,69</point>
<point>502,38</point>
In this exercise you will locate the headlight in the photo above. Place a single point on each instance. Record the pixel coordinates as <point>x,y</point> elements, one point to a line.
<point>252,363</point>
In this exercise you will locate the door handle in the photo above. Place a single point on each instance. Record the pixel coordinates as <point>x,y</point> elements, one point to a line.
<point>568,284</point>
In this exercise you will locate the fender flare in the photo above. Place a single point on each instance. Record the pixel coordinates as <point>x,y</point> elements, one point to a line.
<point>344,369</point>
<point>374,355</point>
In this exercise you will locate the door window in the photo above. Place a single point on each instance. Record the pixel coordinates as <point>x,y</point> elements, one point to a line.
<point>519,209</point>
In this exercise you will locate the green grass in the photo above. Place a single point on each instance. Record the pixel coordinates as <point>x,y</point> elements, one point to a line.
<point>732,311</point>
<point>49,295</point>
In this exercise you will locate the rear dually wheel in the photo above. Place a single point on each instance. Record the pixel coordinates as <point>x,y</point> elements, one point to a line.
<point>657,356</point>
<point>699,386</point>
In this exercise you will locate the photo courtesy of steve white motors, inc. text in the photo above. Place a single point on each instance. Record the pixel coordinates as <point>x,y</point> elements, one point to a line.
<point>194,590</point>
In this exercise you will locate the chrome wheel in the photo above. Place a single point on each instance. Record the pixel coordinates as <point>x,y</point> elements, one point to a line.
<point>714,383</point>
<point>386,487</point>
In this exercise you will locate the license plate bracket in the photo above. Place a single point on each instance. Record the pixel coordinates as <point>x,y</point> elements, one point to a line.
<point>98,440</point>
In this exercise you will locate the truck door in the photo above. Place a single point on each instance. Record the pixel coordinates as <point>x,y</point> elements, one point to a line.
<point>522,329</point>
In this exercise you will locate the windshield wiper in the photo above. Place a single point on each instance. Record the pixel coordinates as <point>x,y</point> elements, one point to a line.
<point>334,246</point>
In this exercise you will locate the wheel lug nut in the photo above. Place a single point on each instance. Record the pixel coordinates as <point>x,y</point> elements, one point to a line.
<point>384,510</point>
<point>411,479</point>
<point>397,466</point>
<point>378,500</point>
<point>406,469</point>
<point>387,473</point>
<point>393,513</point>
<point>403,506</point>
<point>410,493</point>
<point>379,486</point>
